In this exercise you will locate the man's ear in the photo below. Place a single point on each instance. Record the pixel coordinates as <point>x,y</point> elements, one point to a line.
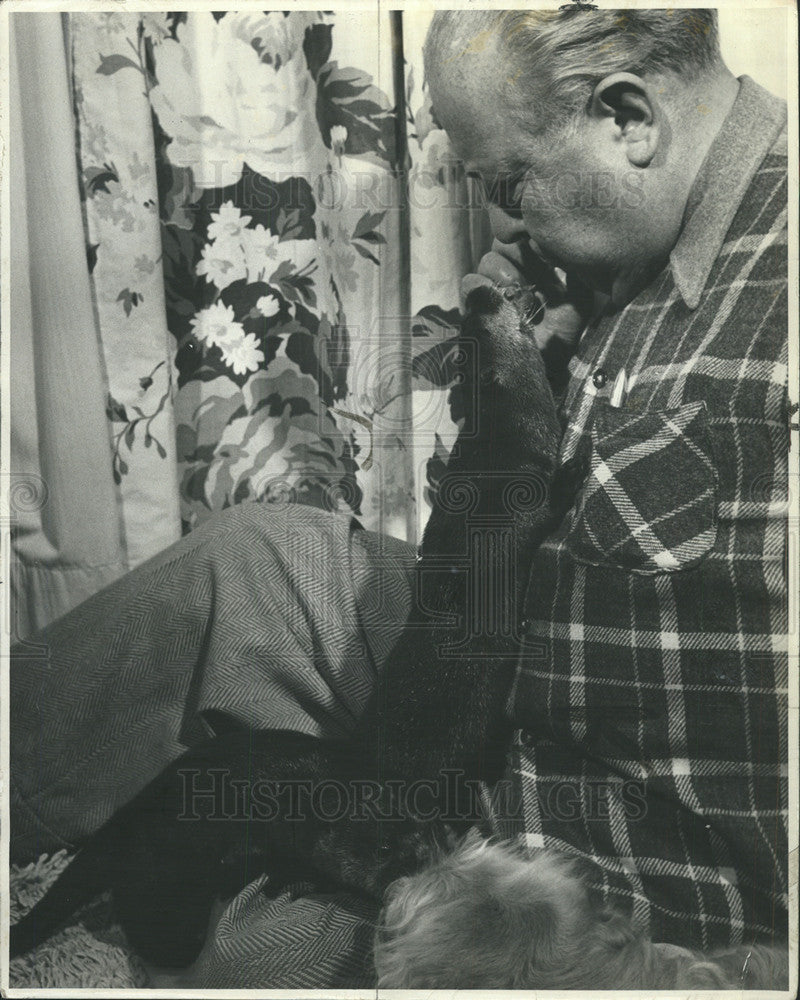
<point>624,98</point>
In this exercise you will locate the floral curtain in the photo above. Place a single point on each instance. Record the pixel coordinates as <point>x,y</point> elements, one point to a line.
<point>275,232</point>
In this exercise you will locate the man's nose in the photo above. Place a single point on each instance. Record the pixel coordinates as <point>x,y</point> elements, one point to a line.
<point>507,227</point>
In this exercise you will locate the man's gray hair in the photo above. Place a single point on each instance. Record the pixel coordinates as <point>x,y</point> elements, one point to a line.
<point>558,57</point>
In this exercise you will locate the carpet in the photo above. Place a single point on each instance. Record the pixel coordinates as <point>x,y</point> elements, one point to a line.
<point>91,951</point>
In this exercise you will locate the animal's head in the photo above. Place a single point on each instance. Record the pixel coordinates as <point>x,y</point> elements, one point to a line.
<point>484,916</point>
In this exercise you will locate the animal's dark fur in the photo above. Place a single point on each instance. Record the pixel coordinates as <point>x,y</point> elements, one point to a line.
<point>165,869</point>
<point>439,705</point>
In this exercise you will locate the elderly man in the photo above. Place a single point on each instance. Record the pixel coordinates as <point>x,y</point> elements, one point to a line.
<point>653,695</point>
<point>651,692</point>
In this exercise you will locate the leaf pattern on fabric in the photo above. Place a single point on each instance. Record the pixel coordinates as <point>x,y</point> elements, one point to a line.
<point>347,101</point>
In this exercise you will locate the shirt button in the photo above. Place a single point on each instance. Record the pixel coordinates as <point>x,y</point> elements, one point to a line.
<point>599,378</point>
<point>526,624</point>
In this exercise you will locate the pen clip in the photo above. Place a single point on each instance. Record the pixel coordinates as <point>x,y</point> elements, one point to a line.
<point>619,390</point>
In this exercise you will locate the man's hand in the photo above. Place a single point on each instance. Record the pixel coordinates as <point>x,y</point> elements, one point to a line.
<point>568,304</point>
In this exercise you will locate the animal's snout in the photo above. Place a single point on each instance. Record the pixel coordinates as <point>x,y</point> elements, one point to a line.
<point>484,299</point>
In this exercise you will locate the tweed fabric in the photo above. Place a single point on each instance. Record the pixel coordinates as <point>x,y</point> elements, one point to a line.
<point>653,687</point>
<point>301,938</point>
<point>266,616</point>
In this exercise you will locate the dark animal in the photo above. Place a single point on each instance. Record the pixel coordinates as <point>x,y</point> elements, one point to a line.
<point>439,706</point>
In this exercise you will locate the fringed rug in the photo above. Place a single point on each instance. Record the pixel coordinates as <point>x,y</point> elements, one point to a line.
<point>89,952</point>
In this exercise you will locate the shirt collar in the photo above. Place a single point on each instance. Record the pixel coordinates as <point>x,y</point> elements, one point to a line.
<point>746,136</point>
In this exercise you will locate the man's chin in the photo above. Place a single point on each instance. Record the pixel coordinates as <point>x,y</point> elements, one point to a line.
<point>597,278</point>
<point>618,283</point>
<point>626,283</point>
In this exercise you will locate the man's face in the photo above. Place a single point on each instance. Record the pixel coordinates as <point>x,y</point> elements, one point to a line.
<point>575,198</point>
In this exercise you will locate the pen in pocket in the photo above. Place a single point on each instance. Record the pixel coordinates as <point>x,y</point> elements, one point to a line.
<point>619,390</point>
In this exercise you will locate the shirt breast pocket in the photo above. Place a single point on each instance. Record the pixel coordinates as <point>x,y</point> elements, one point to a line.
<point>649,501</point>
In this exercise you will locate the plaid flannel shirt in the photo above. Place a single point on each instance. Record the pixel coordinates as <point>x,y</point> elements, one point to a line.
<point>653,684</point>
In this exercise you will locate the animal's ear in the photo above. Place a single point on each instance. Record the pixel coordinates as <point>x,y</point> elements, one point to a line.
<point>627,104</point>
